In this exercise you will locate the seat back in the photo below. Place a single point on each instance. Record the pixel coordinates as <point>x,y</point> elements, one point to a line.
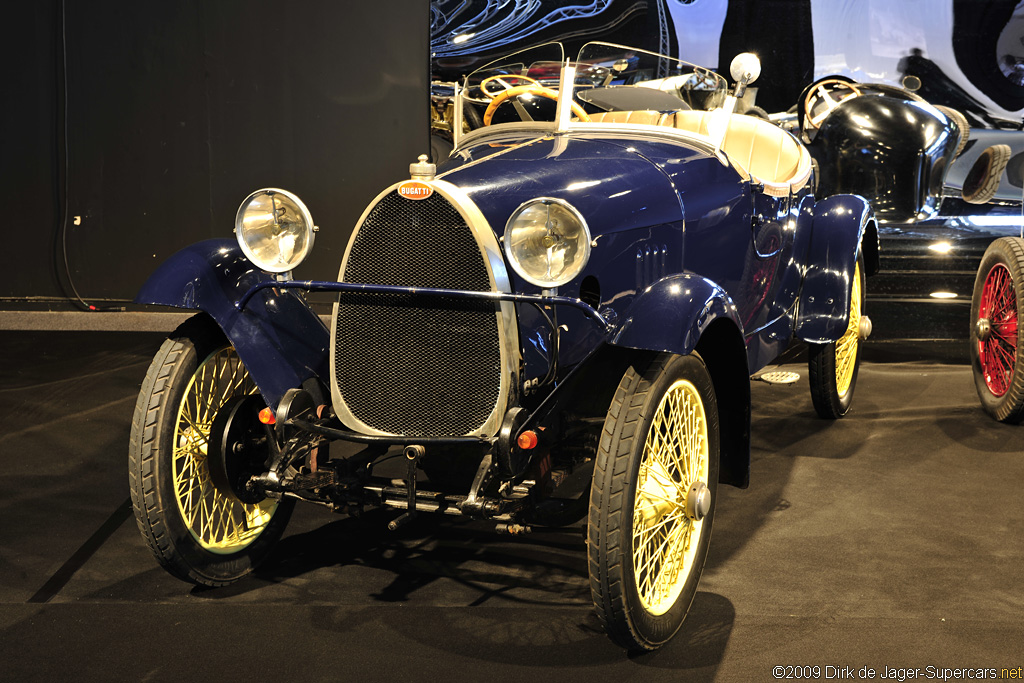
<point>764,151</point>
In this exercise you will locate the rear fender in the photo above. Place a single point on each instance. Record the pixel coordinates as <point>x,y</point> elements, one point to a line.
<point>841,224</point>
<point>282,342</point>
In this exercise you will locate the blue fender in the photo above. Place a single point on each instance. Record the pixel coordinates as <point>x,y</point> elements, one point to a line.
<point>280,339</point>
<point>672,313</point>
<point>840,223</point>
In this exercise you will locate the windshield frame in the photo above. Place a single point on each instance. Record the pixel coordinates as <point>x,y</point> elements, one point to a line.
<point>517,63</point>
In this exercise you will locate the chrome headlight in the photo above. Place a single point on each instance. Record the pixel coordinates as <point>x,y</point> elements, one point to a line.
<point>274,229</point>
<point>547,242</point>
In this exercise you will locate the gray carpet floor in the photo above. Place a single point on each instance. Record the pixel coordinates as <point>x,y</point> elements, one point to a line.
<point>889,539</point>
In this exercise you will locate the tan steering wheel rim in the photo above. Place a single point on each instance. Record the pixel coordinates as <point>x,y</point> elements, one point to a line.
<point>821,90</point>
<point>497,77</point>
<point>529,90</point>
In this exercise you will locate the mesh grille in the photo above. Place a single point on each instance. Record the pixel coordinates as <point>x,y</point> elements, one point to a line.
<point>417,366</point>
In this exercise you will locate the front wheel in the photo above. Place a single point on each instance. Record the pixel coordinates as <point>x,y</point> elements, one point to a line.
<point>199,530</point>
<point>832,368</point>
<point>652,499</point>
<point>996,346</point>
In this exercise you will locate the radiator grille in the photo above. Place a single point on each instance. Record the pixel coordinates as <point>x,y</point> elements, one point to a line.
<point>414,365</point>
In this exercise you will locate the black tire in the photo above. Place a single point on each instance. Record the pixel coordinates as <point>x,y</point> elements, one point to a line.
<point>639,618</point>
<point>996,305</point>
<point>216,547</point>
<point>832,368</point>
<point>983,179</point>
<point>963,128</point>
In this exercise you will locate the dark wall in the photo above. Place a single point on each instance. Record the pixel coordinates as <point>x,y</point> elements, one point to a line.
<point>176,111</point>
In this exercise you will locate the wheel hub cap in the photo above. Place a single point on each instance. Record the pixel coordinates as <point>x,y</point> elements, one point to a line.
<point>698,501</point>
<point>983,329</point>
<point>864,331</point>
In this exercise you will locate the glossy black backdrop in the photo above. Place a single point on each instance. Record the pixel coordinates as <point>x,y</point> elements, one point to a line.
<point>175,111</point>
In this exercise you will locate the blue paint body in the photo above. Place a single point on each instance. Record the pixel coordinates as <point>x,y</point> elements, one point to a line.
<point>280,339</point>
<point>680,240</point>
<point>839,225</point>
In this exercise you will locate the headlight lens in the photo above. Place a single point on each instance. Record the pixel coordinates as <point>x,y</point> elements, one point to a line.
<point>274,229</point>
<point>547,242</point>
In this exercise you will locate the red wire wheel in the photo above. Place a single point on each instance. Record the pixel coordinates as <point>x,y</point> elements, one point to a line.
<point>995,335</point>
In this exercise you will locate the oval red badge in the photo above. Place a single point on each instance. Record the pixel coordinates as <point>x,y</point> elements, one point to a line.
<point>414,189</point>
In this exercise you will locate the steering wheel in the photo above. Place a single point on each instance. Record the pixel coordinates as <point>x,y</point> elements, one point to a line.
<point>529,90</point>
<point>825,96</point>
<point>501,78</point>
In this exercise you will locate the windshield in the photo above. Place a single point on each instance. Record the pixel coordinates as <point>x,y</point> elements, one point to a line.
<point>696,86</point>
<point>540,65</point>
<point>523,86</point>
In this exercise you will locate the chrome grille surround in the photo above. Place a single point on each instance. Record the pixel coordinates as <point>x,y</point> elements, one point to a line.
<point>404,407</point>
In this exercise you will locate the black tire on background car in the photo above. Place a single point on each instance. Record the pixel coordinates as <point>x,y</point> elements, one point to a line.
<point>996,335</point>
<point>196,531</point>
<point>982,180</point>
<point>652,500</point>
<point>832,368</point>
<point>963,128</point>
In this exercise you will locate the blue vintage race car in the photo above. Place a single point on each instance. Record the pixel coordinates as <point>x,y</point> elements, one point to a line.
<point>580,293</point>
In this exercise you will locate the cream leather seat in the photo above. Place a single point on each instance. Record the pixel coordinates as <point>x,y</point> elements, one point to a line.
<point>761,149</point>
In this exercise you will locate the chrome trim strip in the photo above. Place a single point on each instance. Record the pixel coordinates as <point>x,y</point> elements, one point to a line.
<point>583,129</point>
<point>508,328</point>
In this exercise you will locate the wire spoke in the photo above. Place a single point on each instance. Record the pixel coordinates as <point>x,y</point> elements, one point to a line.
<point>675,455</point>
<point>219,522</point>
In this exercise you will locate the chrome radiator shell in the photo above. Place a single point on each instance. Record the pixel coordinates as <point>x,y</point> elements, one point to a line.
<point>406,365</point>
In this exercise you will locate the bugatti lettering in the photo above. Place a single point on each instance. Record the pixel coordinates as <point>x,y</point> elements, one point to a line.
<point>415,190</point>
<point>535,340</point>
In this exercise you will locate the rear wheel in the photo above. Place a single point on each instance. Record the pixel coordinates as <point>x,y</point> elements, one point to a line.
<point>832,368</point>
<point>996,346</point>
<point>652,500</point>
<point>199,530</point>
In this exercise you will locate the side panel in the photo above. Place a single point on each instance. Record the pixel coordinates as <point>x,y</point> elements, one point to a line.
<point>839,225</point>
<point>279,338</point>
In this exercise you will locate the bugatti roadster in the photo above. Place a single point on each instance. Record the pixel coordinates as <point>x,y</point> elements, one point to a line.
<point>571,295</point>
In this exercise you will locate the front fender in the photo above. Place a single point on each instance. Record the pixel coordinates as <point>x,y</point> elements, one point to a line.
<point>280,339</point>
<point>840,225</point>
<point>672,313</point>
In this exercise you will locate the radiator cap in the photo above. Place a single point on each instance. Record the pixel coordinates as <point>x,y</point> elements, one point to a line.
<point>422,169</point>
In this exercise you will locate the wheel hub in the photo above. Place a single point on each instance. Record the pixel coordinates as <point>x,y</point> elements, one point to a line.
<point>698,501</point>
<point>864,328</point>
<point>659,493</point>
<point>233,455</point>
<point>983,329</point>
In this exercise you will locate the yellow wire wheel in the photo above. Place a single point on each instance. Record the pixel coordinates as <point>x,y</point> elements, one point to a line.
<point>848,346</point>
<point>675,457</point>
<point>832,368</point>
<point>652,499</point>
<point>197,531</point>
<point>218,521</point>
